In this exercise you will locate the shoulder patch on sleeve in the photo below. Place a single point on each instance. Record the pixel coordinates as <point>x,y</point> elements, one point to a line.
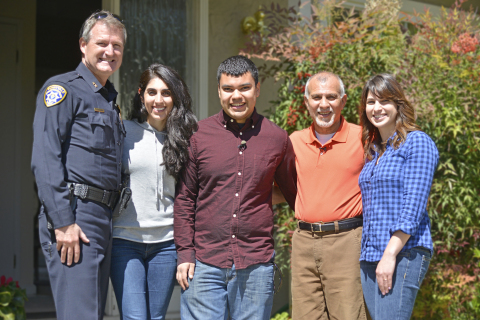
<point>54,94</point>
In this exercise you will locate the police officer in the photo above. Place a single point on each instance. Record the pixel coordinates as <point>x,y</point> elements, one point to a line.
<point>76,160</point>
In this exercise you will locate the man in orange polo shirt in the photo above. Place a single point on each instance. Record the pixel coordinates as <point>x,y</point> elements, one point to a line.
<point>326,245</point>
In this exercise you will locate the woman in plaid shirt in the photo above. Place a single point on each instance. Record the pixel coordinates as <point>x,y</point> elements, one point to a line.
<point>400,161</point>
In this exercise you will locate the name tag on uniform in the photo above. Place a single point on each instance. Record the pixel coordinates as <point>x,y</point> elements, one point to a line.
<point>99,110</point>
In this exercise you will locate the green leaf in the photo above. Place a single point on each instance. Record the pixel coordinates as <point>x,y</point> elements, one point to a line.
<point>5,298</point>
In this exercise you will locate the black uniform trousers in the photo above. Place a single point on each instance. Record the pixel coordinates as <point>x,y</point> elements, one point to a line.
<point>73,285</point>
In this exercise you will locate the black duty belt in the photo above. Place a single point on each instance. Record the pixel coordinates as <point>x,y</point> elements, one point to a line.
<point>83,191</point>
<point>344,224</point>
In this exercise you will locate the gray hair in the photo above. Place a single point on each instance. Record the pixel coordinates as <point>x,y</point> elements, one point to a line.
<point>323,76</point>
<point>110,20</point>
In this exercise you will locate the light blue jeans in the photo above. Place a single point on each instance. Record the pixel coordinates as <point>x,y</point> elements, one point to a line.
<point>409,273</point>
<point>143,276</point>
<point>215,293</point>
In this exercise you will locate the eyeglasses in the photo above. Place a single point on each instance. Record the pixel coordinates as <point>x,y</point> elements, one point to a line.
<point>103,15</point>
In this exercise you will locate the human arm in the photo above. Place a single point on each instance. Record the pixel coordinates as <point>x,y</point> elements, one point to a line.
<point>421,157</point>
<point>53,118</point>
<point>386,266</point>
<point>286,175</point>
<point>184,219</point>
<point>51,129</point>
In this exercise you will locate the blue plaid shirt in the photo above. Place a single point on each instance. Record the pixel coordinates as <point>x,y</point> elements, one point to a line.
<point>395,194</point>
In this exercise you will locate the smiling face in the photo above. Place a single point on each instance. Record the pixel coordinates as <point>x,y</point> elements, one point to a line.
<point>158,101</point>
<point>103,53</point>
<point>382,114</point>
<point>238,95</point>
<point>325,104</point>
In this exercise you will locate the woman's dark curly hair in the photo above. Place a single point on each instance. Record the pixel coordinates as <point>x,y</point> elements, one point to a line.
<point>385,87</point>
<point>181,122</point>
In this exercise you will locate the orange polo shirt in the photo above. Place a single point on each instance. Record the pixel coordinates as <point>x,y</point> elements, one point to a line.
<point>327,184</point>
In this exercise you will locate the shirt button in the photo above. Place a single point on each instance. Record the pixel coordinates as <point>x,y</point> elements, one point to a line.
<point>240,152</point>
<point>119,164</point>
<point>239,173</point>
<point>253,126</point>
<point>224,125</point>
<point>118,142</point>
<point>231,120</point>
<point>236,194</point>
<point>241,133</point>
<point>234,215</point>
<point>233,236</point>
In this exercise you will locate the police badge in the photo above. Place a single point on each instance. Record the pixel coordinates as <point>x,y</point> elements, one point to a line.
<point>54,95</point>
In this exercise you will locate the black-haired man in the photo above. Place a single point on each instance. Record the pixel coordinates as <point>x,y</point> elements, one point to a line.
<point>223,209</point>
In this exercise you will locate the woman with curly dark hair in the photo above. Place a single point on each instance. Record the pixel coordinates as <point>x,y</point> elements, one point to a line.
<point>400,161</point>
<point>144,258</point>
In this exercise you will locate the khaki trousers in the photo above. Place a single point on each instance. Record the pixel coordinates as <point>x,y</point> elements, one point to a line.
<point>326,275</point>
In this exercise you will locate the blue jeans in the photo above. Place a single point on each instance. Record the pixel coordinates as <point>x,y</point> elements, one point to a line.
<point>215,293</point>
<point>143,276</point>
<point>409,272</point>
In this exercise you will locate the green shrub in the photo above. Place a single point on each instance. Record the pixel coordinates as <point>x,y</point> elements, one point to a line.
<point>443,81</point>
<point>281,316</point>
<point>12,300</point>
<point>437,60</point>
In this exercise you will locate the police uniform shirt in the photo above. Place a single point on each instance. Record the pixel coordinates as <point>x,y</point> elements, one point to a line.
<point>78,137</point>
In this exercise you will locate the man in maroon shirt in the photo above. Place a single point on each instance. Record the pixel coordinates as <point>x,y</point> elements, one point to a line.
<point>223,220</point>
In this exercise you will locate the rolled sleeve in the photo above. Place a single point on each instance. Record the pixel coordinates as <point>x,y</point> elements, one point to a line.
<point>51,129</point>
<point>184,210</point>
<point>420,165</point>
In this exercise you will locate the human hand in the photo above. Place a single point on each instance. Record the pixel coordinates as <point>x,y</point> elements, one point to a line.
<point>183,270</point>
<point>384,272</point>
<point>68,241</point>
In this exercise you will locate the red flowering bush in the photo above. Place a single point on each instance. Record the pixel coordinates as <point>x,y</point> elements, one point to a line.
<point>442,75</point>
<point>465,43</point>
<point>12,300</point>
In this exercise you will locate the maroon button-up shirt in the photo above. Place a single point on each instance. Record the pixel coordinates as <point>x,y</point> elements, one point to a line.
<point>223,206</point>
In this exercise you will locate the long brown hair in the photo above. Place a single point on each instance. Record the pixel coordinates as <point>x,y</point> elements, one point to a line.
<point>385,87</point>
<point>181,122</point>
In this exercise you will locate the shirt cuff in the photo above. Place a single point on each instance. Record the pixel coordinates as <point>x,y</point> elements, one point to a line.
<point>185,256</point>
<point>406,227</point>
<point>62,218</point>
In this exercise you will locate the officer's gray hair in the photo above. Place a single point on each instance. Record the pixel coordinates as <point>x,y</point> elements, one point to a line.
<point>109,20</point>
<point>322,77</point>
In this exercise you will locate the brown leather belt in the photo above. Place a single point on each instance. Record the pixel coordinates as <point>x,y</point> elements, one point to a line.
<point>344,224</point>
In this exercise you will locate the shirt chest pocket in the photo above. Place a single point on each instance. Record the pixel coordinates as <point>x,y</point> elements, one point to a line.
<point>392,169</point>
<point>102,131</point>
<point>263,168</point>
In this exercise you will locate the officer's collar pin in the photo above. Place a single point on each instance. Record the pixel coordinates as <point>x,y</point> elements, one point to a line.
<point>95,84</point>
